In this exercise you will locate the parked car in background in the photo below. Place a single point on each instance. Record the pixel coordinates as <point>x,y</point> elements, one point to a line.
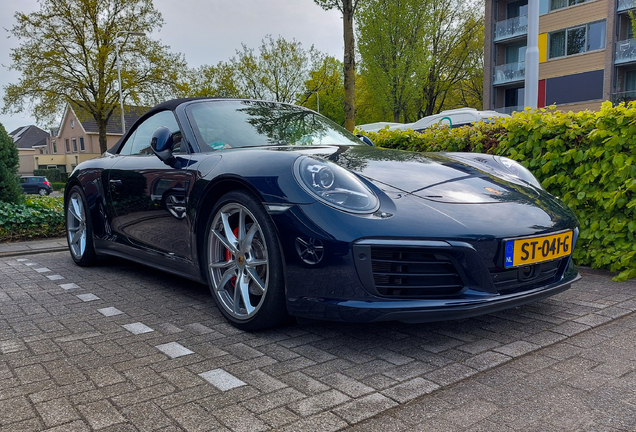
<point>451,118</point>
<point>35,185</point>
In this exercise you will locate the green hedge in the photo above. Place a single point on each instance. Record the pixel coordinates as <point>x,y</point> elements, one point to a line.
<point>52,175</point>
<point>58,186</point>
<point>35,218</point>
<point>588,159</point>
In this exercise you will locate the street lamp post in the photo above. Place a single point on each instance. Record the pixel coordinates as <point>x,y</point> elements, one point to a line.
<point>121,97</point>
<point>317,99</point>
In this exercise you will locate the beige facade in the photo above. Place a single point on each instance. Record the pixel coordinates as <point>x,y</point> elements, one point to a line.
<point>587,53</point>
<point>72,145</point>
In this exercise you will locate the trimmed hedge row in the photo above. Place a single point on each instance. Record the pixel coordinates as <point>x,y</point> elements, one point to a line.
<point>588,159</point>
<point>36,217</point>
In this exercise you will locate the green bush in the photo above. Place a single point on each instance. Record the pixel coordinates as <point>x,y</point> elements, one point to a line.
<point>64,177</point>
<point>52,175</point>
<point>58,186</point>
<point>36,217</point>
<point>588,159</point>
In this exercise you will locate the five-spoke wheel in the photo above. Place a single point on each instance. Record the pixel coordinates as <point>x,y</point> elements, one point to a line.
<point>244,265</point>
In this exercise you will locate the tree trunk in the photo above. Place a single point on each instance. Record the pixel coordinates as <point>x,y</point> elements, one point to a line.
<point>101,129</point>
<point>349,65</point>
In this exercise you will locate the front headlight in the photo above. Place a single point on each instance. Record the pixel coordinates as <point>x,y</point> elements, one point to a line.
<point>334,185</point>
<point>518,170</point>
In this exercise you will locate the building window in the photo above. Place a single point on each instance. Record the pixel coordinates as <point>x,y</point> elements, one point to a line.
<point>54,145</point>
<point>560,4</point>
<point>630,80</point>
<point>74,140</point>
<point>82,148</point>
<point>577,40</point>
<point>514,97</point>
<point>72,123</point>
<point>516,9</point>
<point>68,146</point>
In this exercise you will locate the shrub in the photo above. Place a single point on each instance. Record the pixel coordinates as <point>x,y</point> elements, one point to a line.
<point>10,190</point>
<point>58,186</point>
<point>36,217</point>
<point>588,159</point>
<point>64,177</point>
<point>52,174</point>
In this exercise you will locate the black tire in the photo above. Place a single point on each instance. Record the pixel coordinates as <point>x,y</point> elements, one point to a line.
<point>79,228</point>
<point>245,271</point>
<point>42,192</point>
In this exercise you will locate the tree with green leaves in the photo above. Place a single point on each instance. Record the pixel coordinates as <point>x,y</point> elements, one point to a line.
<point>212,81</point>
<point>390,41</point>
<point>67,55</point>
<point>278,71</point>
<point>10,190</point>
<point>348,9</point>
<point>324,90</point>
<point>454,25</point>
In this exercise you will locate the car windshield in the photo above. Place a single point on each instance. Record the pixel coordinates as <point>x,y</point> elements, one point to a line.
<point>232,124</point>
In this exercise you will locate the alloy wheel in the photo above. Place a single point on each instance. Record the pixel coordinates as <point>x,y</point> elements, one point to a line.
<point>76,225</point>
<point>238,261</point>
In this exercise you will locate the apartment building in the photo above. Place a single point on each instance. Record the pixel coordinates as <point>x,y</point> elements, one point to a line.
<point>587,53</point>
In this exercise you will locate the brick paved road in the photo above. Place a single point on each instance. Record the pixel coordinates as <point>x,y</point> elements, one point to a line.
<point>122,347</point>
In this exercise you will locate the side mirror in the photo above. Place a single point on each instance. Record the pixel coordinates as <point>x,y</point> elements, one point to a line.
<point>161,144</point>
<point>365,139</point>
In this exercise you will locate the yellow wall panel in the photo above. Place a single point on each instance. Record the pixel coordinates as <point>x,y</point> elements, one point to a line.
<point>543,47</point>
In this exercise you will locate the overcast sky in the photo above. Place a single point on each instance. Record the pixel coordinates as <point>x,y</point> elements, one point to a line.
<point>205,31</point>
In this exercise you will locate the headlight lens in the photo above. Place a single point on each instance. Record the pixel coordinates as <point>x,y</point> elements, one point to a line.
<point>334,185</point>
<point>518,170</point>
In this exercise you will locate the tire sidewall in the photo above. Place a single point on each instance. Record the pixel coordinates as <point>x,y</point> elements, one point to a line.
<point>273,310</point>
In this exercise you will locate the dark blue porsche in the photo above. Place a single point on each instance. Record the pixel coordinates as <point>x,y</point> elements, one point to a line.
<point>283,213</point>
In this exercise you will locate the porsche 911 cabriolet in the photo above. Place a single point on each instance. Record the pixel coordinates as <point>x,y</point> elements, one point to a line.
<point>285,214</point>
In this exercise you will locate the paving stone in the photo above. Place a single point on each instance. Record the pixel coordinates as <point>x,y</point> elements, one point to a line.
<point>516,349</point>
<point>100,414</point>
<point>109,311</point>
<point>221,379</point>
<point>174,350</point>
<point>324,422</point>
<point>347,385</point>
<point>365,407</point>
<point>319,402</point>
<point>137,328</point>
<point>409,390</point>
<point>57,412</point>
<point>42,270</point>
<point>69,286</point>
<point>87,297</point>
<point>14,410</point>
<point>239,419</point>
<point>55,277</point>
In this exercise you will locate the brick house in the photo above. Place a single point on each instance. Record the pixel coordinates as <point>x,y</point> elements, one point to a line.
<point>77,138</point>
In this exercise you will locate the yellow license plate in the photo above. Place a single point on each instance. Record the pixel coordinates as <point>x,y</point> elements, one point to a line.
<point>527,251</point>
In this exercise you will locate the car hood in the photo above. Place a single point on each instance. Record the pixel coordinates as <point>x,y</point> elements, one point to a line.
<point>432,176</point>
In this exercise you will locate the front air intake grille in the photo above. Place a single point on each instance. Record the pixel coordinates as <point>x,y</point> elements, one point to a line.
<point>525,278</point>
<point>409,273</point>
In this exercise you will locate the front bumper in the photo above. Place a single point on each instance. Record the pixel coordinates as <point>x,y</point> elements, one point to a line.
<point>423,310</point>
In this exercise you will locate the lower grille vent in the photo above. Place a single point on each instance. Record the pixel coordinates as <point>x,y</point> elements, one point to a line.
<point>525,278</point>
<point>407,273</point>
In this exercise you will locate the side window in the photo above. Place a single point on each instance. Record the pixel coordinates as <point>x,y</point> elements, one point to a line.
<point>139,142</point>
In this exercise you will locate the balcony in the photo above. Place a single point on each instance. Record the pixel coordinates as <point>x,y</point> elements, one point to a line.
<point>511,28</point>
<point>626,96</point>
<point>625,51</point>
<point>624,5</point>
<point>510,72</point>
<point>509,110</point>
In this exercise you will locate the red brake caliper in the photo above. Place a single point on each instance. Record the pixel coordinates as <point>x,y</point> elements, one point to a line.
<point>228,256</point>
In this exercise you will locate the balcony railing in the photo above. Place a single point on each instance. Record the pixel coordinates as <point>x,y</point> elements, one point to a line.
<point>512,27</point>
<point>510,109</point>
<point>624,5</point>
<point>509,73</point>
<point>625,51</point>
<point>626,96</point>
